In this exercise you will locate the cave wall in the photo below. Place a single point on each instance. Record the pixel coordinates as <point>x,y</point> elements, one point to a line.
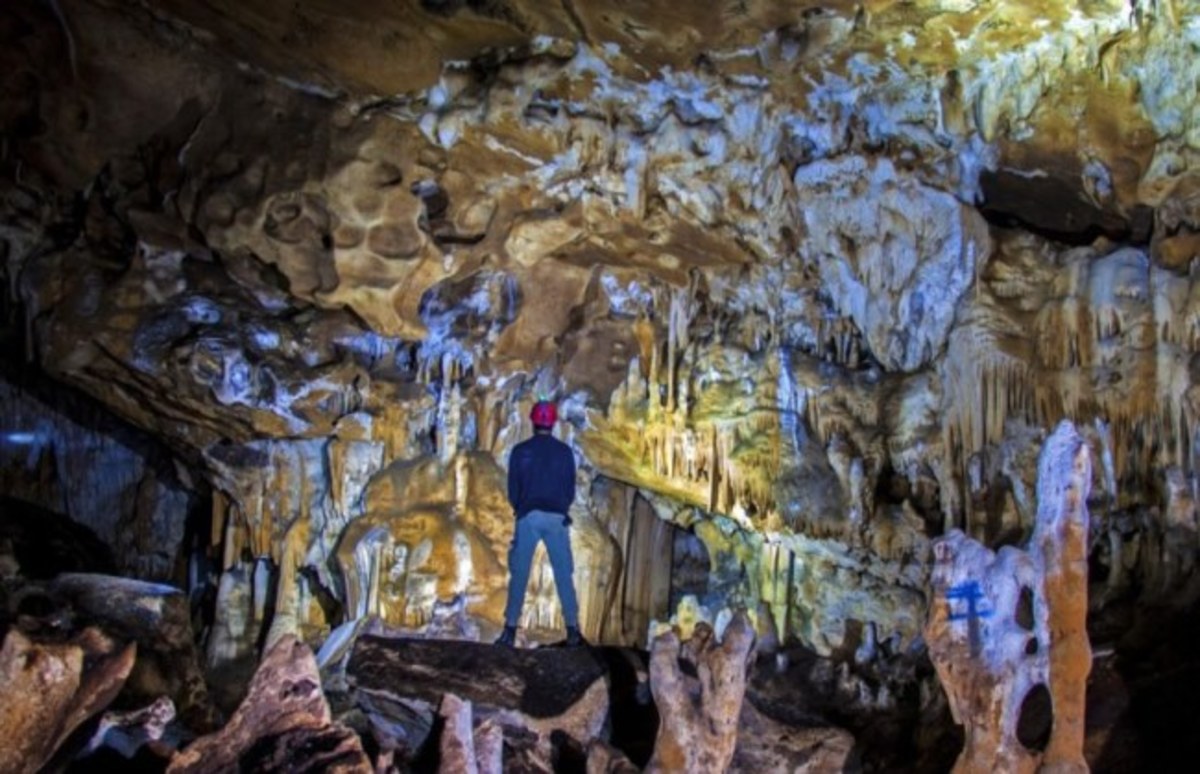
<point>809,283</point>
<point>68,455</point>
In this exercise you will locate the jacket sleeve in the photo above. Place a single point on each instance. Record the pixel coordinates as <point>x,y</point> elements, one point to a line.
<point>514,480</point>
<point>569,480</point>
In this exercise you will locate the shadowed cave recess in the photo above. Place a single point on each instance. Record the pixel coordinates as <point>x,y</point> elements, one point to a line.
<point>873,327</point>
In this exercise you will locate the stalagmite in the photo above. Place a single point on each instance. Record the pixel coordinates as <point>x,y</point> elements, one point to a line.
<point>699,715</point>
<point>233,633</point>
<point>286,614</point>
<point>1060,549</point>
<point>457,746</point>
<point>261,589</point>
<point>283,724</point>
<point>1007,630</point>
<point>489,747</point>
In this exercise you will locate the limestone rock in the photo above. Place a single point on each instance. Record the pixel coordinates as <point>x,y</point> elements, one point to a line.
<point>605,759</point>
<point>766,745</point>
<point>457,745</point>
<point>898,281</point>
<point>548,688</point>
<point>480,751</point>
<point>489,747</point>
<point>40,544</point>
<point>699,734</point>
<point>1007,632</point>
<point>68,455</point>
<point>330,259</point>
<point>157,618</point>
<point>427,537</point>
<point>127,732</point>
<point>761,272</point>
<point>283,724</point>
<point>51,689</point>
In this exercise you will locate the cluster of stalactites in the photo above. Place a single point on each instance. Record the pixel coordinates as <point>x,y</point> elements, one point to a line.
<point>704,456</point>
<point>1110,347</point>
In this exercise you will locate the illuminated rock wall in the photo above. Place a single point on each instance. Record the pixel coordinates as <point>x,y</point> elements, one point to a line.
<point>810,286</point>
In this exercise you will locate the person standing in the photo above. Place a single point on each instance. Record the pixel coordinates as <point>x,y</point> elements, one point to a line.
<point>541,488</point>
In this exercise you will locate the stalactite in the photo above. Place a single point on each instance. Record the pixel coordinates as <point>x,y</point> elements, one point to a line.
<point>233,634</point>
<point>776,569</point>
<point>218,523</point>
<point>1119,302</point>
<point>362,577</point>
<point>288,612</point>
<point>673,323</point>
<point>654,402</point>
<point>626,548</point>
<point>237,537</point>
<point>260,590</point>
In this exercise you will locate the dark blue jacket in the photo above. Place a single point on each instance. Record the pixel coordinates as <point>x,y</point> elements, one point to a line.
<point>541,476</point>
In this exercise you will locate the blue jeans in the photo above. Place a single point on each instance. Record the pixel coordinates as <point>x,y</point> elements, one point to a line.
<point>548,528</point>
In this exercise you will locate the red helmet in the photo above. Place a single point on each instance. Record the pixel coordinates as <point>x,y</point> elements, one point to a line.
<point>544,414</point>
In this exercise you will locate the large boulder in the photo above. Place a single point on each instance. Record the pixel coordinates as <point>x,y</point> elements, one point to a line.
<point>550,689</point>
<point>51,689</point>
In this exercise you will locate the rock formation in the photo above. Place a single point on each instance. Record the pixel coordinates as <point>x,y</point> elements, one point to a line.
<point>700,713</point>
<point>761,304</point>
<point>127,732</point>
<point>156,618</point>
<point>545,689</point>
<point>810,284</point>
<point>1008,630</point>
<point>767,745</point>
<point>457,746</point>
<point>49,691</point>
<point>283,725</point>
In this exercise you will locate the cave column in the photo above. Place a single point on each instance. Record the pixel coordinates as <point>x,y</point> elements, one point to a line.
<point>1007,629</point>
<point>1061,542</point>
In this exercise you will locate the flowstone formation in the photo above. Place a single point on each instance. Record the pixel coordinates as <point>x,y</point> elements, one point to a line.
<point>810,284</point>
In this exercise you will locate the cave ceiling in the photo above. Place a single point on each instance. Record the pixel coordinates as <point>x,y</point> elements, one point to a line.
<point>813,273</point>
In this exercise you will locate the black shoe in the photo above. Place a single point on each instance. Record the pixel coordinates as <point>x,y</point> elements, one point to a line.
<point>508,637</point>
<point>574,638</point>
